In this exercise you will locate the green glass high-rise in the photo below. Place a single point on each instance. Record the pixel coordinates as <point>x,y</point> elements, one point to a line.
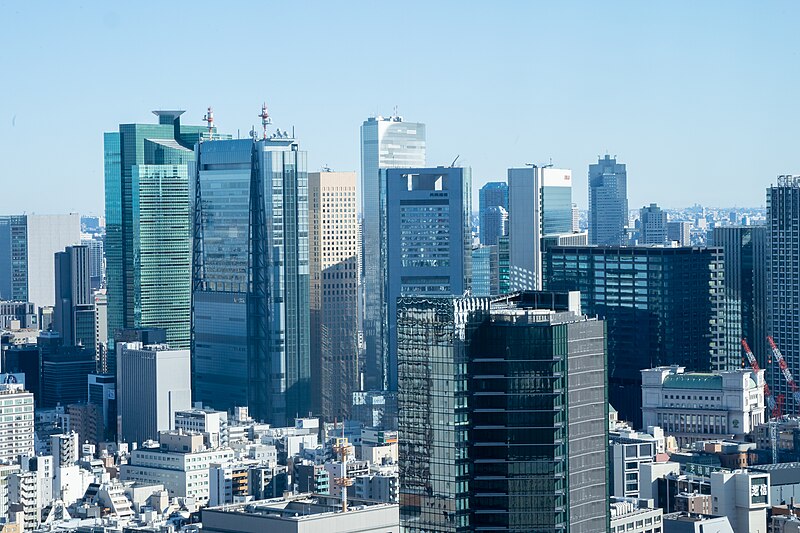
<point>148,225</point>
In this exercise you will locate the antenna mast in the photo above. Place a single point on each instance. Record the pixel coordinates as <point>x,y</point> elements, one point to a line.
<point>265,119</point>
<point>209,119</point>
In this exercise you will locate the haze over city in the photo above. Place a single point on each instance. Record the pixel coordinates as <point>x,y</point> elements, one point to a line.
<point>697,115</point>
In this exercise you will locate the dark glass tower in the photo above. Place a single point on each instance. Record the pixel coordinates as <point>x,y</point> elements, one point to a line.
<point>662,306</point>
<point>745,298</point>
<point>503,415</point>
<point>250,313</point>
<point>783,280</point>
<point>73,315</point>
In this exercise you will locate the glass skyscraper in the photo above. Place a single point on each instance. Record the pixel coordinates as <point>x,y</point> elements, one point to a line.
<point>250,278</point>
<point>540,203</point>
<point>385,143</point>
<point>608,202</point>
<point>426,240</point>
<point>783,281</point>
<point>503,417</point>
<point>14,258</point>
<point>493,195</point>
<point>745,258</point>
<point>662,306</point>
<point>148,232</point>
<point>485,271</point>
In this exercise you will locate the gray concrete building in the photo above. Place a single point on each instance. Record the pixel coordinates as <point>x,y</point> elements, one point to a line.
<point>608,202</point>
<point>652,225</point>
<point>153,382</point>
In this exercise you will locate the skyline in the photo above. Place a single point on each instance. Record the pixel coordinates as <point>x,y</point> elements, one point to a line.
<point>655,87</point>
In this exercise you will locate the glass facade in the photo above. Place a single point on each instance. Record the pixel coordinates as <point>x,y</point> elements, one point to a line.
<point>503,266</point>
<point>426,238</point>
<point>485,271</point>
<point>385,143</point>
<point>492,202</point>
<point>556,210</point>
<point>250,272</point>
<point>783,280</point>
<point>744,255</point>
<point>503,415</point>
<point>608,202</point>
<point>662,306</point>
<point>148,239</point>
<point>14,258</point>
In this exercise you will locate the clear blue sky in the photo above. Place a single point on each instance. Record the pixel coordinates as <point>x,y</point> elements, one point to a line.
<point>700,99</point>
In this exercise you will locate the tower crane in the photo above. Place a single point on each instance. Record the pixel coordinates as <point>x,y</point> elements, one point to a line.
<point>787,374</point>
<point>774,408</point>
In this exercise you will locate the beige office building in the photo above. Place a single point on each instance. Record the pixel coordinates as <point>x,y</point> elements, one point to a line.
<point>333,291</point>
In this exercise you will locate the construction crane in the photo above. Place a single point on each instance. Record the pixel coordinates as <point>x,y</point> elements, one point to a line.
<point>774,408</point>
<point>787,374</point>
<point>342,449</point>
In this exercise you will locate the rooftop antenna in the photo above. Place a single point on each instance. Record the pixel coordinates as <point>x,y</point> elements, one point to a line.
<point>454,161</point>
<point>265,119</point>
<point>209,119</point>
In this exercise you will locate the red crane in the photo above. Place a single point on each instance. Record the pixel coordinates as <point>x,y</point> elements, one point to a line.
<point>787,374</point>
<point>774,407</point>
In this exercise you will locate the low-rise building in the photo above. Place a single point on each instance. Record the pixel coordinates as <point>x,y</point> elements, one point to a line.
<point>784,481</point>
<point>686,523</point>
<point>380,484</point>
<point>628,451</point>
<point>180,462</point>
<point>633,515</point>
<point>212,424</point>
<point>230,483</point>
<point>303,513</point>
<point>695,406</point>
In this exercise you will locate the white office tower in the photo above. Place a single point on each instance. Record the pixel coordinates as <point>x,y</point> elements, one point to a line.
<point>153,383</point>
<point>48,234</point>
<point>386,142</point>
<point>16,422</point>
<point>539,204</point>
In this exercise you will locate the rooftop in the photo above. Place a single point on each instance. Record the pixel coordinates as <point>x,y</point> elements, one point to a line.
<point>693,381</point>
<point>300,507</point>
